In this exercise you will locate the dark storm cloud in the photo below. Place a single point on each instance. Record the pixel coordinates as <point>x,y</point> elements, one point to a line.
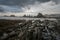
<point>56,1</point>
<point>21,6</point>
<point>43,0</point>
<point>19,2</point>
<point>1,9</point>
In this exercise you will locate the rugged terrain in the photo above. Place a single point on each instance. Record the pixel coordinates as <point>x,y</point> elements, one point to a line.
<point>29,30</point>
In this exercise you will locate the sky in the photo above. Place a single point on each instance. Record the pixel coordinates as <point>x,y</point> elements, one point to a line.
<point>29,7</point>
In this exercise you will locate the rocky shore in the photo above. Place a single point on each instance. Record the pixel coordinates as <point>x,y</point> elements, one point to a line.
<point>29,30</point>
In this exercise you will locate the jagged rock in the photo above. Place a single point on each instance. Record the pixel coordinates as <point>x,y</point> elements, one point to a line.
<point>33,30</point>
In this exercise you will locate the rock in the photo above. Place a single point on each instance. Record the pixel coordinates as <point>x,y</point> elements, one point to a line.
<point>5,35</point>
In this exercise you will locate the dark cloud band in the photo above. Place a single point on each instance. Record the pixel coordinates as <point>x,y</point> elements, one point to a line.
<point>19,2</point>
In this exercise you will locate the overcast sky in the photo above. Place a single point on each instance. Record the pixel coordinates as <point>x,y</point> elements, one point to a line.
<point>32,7</point>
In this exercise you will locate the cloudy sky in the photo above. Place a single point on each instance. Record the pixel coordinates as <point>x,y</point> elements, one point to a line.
<point>32,7</point>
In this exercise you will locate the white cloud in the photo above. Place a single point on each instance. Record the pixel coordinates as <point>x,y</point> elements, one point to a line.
<point>45,8</point>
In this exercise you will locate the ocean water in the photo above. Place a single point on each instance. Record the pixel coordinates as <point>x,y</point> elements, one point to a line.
<point>24,18</point>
